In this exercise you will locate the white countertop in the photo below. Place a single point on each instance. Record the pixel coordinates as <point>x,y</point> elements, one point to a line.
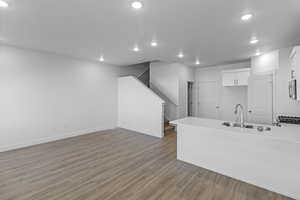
<point>286,132</point>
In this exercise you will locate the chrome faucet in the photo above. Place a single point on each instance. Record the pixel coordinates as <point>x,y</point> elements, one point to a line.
<point>241,117</point>
<point>277,122</point>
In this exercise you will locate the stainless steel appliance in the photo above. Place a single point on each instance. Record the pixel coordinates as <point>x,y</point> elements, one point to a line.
<point>289,119</point>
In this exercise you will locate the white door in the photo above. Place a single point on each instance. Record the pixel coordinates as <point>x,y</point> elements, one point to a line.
<point>208,106</point>
<point>260,99</point>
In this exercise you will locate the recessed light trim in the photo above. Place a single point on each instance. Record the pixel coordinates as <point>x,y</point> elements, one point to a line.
<point>154,43</point>
<point>101,59</point>
<point>197,62</point>
<point>136,49</point>
<point>180,55</point>
<point>247,17</point>
<point>3,4</point>
<point>136,5</point>
<point>254,41</point>
<point>258,53</point>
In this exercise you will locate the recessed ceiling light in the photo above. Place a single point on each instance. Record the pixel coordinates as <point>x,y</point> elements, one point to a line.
<point>180,55</point>
<point>154,43</point>
<point>197,62</point>
<point>254,41</point>
<point>3,4</point>
<point>246,17</point>
<point>101,59</point>
<point>136,49</point>
<point>136,5</point>
<point>257,53</point>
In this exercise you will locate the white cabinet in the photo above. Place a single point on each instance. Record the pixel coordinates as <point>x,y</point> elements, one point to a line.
<point>237,77</point>
<point>229,78</point>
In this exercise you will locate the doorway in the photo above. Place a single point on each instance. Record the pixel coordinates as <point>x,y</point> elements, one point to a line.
<point>190,97</point>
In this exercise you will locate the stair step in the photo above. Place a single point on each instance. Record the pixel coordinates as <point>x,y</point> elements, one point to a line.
<point>169,127</point>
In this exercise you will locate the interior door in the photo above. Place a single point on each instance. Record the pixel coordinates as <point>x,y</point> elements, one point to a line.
<point>208,106</point>
<point>260,99</point>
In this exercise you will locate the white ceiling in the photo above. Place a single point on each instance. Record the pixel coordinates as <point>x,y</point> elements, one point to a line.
<point>208,29</point>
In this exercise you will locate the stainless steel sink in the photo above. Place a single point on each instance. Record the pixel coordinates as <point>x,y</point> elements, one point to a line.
<point>247,126</point>
<point>231,124</point>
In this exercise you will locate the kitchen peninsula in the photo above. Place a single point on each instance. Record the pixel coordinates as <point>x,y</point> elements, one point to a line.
<point>268,159</point>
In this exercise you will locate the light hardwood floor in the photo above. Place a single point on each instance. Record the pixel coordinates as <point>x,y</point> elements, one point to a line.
<point>114,165</point>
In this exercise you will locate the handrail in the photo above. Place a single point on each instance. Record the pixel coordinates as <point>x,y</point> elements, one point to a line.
<point>162,95</point>
<point>145,77</point>
<point>172,109</point>
<point>149,89</point>
<point>143,73</point>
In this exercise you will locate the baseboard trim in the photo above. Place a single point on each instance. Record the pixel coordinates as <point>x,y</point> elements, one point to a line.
<point>51,139</point>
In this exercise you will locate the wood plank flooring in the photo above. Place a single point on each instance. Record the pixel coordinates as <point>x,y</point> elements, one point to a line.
<point>114,165</point>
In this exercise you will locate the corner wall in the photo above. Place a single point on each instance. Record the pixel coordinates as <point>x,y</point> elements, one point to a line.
<point>283,104</point>
<point>134,70</point>
<point>171,79</point>
<point>46,97</point>
<point>139,108</point>
<point>278,64</point>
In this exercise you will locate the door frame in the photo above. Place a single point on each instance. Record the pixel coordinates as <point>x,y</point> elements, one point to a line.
<point>190,98</point>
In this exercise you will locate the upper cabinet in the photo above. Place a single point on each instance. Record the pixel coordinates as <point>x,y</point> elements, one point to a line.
<point>236,77</point>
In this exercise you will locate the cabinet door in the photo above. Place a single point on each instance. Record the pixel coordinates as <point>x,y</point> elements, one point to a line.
<point>260,99</point>
<point>229,79</point>
<point>243,77</point>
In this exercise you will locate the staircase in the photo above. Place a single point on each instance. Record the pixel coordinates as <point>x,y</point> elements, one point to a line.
<point>168,128</point>
<point>145,78</point>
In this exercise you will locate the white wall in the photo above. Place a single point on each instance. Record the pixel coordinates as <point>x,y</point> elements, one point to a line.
<point>283,104</point>
<point>186,74</point>
<point>228,97</point>
<point>171,80</point>
<point>162,77</point>
<point>139,108</point>
<point>46,97</point>
<point>278,64</point>
<point>265,64</point>
<point>133,70</point>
